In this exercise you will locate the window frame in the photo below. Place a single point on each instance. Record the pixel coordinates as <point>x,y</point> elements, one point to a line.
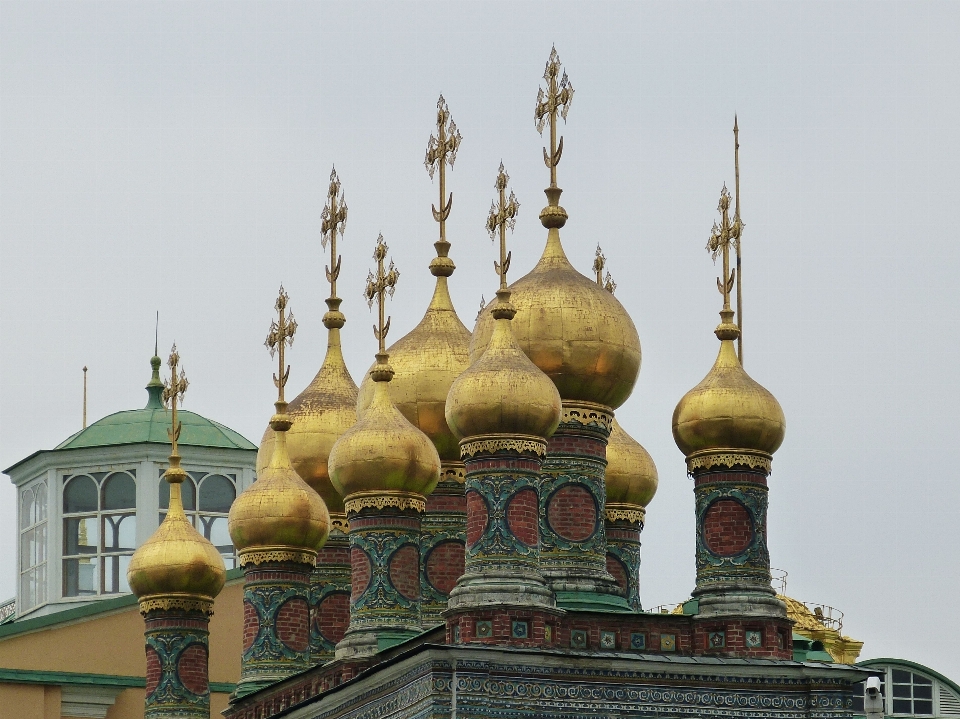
<point>37,571</point>
<point>203,520</point>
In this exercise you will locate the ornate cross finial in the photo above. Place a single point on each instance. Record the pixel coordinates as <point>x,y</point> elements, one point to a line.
<point>172,395</point>
<point>279,337</point>
<point>599,263</point>
<point>609,285</point>
<point>503,215</point>
<point>378,285</point>
<point>442,151</point>
<point>483,303</point>
<point>556,98</point>
<point>333,220</point>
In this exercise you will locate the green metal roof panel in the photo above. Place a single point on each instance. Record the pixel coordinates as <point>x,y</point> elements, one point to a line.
<point>150,425</point>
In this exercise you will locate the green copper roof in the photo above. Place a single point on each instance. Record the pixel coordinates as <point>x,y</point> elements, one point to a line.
<point>151,423</point>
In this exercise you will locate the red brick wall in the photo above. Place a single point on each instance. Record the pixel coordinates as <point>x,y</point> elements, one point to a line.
<point>619,572</point>
<point>446,503</point>
<point>563,443</point>
<point>738,477</point>
<point>292,624</point>
<point>477,517</point>
<point>572,513</point>
<point>405,571</point>
<point>445,565</point>
<point>727,528</point>
<point>359,572</point>
<point>333,616</point>
<point>522,517</point>
<point>333,555</point>
<point>153,670</point>
<point>251,625</point>
<point>192,669</point>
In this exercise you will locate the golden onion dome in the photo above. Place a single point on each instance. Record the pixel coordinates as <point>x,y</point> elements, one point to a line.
<point>575,331</point>
<point>728,410</point>
<point>631,475</point>
<point>427,361</point>
<point>320,413</point>
<point>279,511</point>
<point>177,561</point>
<point>383,451</point>
<point>503,391</point>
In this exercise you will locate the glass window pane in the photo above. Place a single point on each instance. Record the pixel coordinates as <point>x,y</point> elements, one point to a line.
<point>115,574</point>
<point>923,691</point>
<point>28,550</point>
<point>217,494</point>
<point>41,544</point>
<point>902,706</point>
<point>215,529</point>
<point>41,575</point>
<point>920,679</point>
<point>923,706</point>
<point>188,494</point>
<point>80,495</point>
<point>80,577</point>
<point>901,677</point>
<point>28,589</point>
<point>80,535</point>
<point>26,508</point>
<point>229,561</point>
<point>901,690</point>
<point>119,532</point>
<point>119,491</point>
<point>40,505</point>
<point>858,692</point>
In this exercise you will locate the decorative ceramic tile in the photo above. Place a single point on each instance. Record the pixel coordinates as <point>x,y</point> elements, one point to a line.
<point>484,628</point>
<point>608,640</point>
<point>754,639</point>
<point>520,630</point>
<point>548,633</point>
<point>668,642</point>
<point>716,640</point>
<point>578,639</point>
<point>638,641</point>
<point>456,633</point>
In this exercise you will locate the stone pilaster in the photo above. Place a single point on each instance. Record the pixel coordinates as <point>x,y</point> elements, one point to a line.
<point>442,542</point>
<point>624,523</point>
<point>385,571</point>
<point>276,617</point>
<point>177,648</point>
<point>502,597</point>
<point>330,593</point>
<point>573,543</point>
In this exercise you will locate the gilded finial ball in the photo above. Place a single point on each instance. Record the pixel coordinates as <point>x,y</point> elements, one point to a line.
<point>383,452</point>
<point>631,475</point>
<point>575,331</point>
<point>728,410</point>
<point>502,391</point>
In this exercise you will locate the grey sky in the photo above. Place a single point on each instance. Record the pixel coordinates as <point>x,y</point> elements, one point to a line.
<point>174,156</point>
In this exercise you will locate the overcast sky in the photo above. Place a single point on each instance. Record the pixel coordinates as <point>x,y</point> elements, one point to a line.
<point>174,156</point>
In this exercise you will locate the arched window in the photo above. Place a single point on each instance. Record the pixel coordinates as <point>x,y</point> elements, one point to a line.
<point>99,532</point>
<point>215,493</point>
<point>33,545</point>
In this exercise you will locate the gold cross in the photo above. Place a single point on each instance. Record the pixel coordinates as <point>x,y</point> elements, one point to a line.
<point>599,262</point>
<point>556,98</point>
<point>377,288</point>
<point>721,237</point>
<point>281,336</point>
<point>441,151</point>
<point>173,391</point>
<point>333,219</point>
<point>503,214</point>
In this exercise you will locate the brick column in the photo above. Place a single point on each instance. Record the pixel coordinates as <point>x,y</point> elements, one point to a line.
<point>276,617</point>
<point>573,542</point>
<point>738,611</point>
<point>330,593</point>
<point>442,542</point>
<point>385,571</point>
<point>502,597</point>
<point>177,648</point>
<point>624,523</point>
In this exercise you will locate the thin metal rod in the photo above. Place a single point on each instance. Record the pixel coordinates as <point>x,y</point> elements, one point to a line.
<point>84,397</point>
<point>736,161</point>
